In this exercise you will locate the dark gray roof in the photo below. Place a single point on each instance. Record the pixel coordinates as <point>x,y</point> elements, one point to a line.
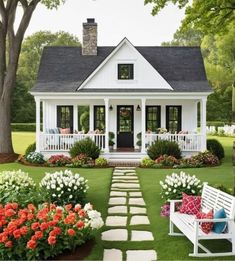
<point>64,69</point>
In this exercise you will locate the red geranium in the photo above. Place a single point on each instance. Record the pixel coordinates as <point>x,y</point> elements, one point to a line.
<point>10,212</point>
<point>8,244</point>
<point>38,234</point>
<point>17,234</point>
<point>31,244</point>
<point>80,224</point>
<point>51,240</point>
<point>24,230</point>
<point>44,226</point>
<point>35,225</point>
<point>71,232</point>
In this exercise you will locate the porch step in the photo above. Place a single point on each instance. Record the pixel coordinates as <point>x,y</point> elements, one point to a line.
<point>125,155</point>
<point>123,162</point>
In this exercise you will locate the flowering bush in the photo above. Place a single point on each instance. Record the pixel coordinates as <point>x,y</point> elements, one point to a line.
<point>166,160</point>
<point>64,187</point>
<point>81,160</point>
<point>147,162</point>
<point>59,160</point>
<point>175,184</point>
<point>101,162</point>
<point>189,163</point>
<point>39,233</point>
<point>35,157</point>
<point>207,159</point>
<point>15,185</point>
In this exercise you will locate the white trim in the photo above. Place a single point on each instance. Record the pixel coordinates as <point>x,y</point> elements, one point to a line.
<point>124,41</point>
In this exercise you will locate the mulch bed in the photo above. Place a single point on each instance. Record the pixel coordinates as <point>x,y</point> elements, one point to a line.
<point>8,157</point>
<point>80,253</point>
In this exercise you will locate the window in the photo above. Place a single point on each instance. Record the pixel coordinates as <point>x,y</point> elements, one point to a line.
<point>125,71</point>
<point>173,118</point>
<point>65,117</point>
<point>99,117</point>
<point>153,118</point>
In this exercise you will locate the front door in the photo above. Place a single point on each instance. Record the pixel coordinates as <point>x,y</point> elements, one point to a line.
<point>125,121</point>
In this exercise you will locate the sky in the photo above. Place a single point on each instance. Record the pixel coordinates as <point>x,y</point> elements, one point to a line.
<point>116,19</point>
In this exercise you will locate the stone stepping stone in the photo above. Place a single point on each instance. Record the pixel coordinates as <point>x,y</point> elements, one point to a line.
<point>137,235</point>
<point>125,185</point>
<point>118,174</point>
<point>131,174</point>
<point>125,189</point>
<point>126,177</point>
<point>137,210</point>
<point>135,194</point>
<point>118,194</point>
<point>126,168</point>
<point>118,210</point>
<point>136,201</point>
<point>115,235</point>
<point>116,221</point>
<point>140,255</point>
<point>125,181</point>
<point>117,201</point>
<point>112,254</point>
<point>139,220</point>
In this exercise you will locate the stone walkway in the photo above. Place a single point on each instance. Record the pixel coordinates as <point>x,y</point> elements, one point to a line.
<point>126,209</point>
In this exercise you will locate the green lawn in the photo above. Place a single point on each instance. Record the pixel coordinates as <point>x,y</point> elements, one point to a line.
<point>168,248</point>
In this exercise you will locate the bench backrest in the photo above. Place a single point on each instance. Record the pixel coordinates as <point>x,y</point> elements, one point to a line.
<point>216,199</point>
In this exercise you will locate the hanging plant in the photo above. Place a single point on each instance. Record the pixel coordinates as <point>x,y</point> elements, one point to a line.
<point>124,113</point>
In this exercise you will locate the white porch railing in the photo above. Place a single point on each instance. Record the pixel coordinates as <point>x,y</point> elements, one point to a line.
<point>64,142</point>
<point>187,142</point>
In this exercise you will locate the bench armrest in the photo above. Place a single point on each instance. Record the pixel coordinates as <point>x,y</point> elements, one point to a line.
<point>172,204</point>
<point>215,220</point>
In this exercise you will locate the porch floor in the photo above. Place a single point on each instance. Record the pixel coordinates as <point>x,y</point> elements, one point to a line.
<point>125,150</point>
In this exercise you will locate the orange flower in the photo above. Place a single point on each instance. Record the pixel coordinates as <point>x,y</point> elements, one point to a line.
<point>71,232</point>
<point>24,230</point>
<point>80,224</point>
<point>77,207</point>
<point>3,237</point>
<point>8,244</point>
<point>82,213</point>
<point>52,206</point>
<point>10,212</point>
<point>51,240</point>
<point>35,225</point>
<point>38,234</point>
<point>17,234</point>
<point>68,207</point>
<point>31,244</point>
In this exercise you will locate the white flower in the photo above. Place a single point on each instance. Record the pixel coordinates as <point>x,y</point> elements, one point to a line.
<point>88,207</point>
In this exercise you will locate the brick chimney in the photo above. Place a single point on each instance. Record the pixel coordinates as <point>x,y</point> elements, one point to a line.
<point>89,46</point>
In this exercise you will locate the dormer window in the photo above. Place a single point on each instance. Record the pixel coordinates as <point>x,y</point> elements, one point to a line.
<point>125,71</point>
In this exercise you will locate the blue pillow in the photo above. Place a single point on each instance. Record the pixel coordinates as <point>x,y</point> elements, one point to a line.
<point>219,227</point>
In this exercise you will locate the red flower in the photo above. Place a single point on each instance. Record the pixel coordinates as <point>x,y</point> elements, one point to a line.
<point>44,226</point>
<point>8,206</point>
<point>77,207</point>
<point>57,230</point>
<point>8,244</point>
<point>30,216</point>
<point>57,217</point>
<point>17,234</point>
<point>51,240</point>
<point>35,225</point>
<point>82,213</point>
<point>24,230</point>
<point>15,206</point>
<point>52,206</point>
<point>38,234</point>
<point>80,224</point>
<point>68,207</point>
<point>10,212</point>
<point>3,237</point>
<point>32,208</point>
<point>71,232</point>
<point>31,244</point>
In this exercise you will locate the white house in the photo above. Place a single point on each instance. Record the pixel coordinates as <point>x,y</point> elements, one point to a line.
<point>128,89</point>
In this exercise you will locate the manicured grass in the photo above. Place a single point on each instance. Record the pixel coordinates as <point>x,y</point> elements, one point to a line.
<point>168,248</point>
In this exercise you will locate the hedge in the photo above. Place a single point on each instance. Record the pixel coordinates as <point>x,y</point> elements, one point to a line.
<point>23,127</point>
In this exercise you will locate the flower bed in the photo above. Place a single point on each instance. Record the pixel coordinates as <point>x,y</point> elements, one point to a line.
<point>44,231</point>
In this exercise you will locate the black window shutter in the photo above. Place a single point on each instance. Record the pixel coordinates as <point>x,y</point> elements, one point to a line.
<point>179,118</point>
<point>167,117</point>
<point>58,116</point>
<point>71,118</point>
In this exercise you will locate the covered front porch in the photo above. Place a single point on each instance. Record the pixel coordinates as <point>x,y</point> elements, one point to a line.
<point>136,122</point>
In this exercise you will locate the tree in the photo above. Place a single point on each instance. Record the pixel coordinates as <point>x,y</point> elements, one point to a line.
<point>23,106</point>
<point>11,38</point>
<point>208,16</point>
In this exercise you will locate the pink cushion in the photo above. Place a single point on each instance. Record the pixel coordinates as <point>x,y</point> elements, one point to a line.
<point>190,204</point>
<point>206,227</point>
<point>65,131</point>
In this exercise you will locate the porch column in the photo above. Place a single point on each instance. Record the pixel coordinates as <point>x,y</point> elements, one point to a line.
<point>91,118</point>
<point>203,122</point>
<point>75,118</point>
<point>106,102</point>
<point>143,125</point>
<point>43,116</point>
<point>37,100</point>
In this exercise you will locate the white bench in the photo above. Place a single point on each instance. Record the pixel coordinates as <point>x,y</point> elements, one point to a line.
<point>190,226</point>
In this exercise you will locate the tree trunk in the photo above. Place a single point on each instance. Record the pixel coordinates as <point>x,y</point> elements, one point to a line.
<point>5,129</point>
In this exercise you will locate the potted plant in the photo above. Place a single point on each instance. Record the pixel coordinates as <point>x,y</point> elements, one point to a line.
<point>139,142</point>
<point>111,138</point>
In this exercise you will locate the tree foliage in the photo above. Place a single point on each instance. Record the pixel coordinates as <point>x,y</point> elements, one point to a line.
<point>23,106</point>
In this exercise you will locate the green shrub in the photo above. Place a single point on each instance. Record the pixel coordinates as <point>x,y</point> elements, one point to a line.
<point>85,146</point>
<point>31,127</point>
<point>162,147</point>
<point>35,158</point>
<point>101,162</point>
<point>206,159</point>
<point>30,148</point>
<point>215,147</point>
<point>147,162</point>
